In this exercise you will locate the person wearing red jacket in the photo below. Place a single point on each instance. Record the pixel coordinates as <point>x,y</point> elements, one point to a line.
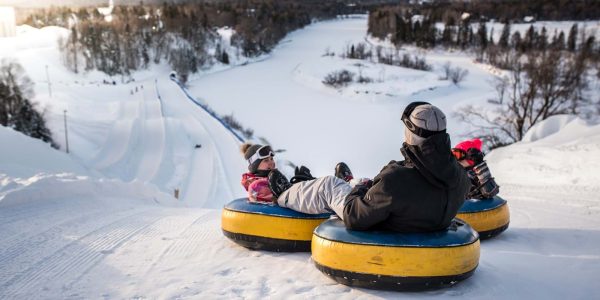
<point>260,163</point>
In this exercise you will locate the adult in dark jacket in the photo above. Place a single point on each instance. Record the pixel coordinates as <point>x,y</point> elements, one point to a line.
<point>420,194</point>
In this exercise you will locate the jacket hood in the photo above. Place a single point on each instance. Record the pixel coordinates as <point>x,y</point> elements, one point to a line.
<point>434,160</point>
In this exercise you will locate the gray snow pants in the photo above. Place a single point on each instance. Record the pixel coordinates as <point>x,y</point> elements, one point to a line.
<point>322,195</point>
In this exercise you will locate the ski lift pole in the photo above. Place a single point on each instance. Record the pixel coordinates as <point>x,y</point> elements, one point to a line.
<point>66,132</point>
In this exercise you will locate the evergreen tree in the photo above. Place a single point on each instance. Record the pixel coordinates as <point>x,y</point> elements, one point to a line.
<point>517,42</point>
<point>572,40</point>
<point>16,110</point>
<point>401,33</point>
<point>542,40</point>
<point>560,41</point>
<point>482,39</point>
<point>588,47</point>
<point>449,33</point>
<point>503,41</point>
<point>72,50</point>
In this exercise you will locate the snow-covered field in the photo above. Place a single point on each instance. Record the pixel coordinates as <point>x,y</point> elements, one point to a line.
<point>102,222</point>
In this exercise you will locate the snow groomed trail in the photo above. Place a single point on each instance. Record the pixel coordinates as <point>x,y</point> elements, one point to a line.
<point>140,250</point>
<point>159,136</point>
<point>212,174</point>
<point>154,140</point>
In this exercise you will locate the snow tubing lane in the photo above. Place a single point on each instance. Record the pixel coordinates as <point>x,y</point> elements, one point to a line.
<point>489,217</point>
<point>269,227</point>
<point>396,261</point>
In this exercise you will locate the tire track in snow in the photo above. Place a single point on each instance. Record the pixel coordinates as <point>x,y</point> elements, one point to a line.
<point>219,174</point>
<point>18,219</point>
<point>203,181</point>
<point>25,249</point>
<point>152,137</point>
<point>197,235</point>
<point>80,255</point>
<point>118,140</point>
<point>202,177</point>
<point>188,240</point>
<point>198,179</point>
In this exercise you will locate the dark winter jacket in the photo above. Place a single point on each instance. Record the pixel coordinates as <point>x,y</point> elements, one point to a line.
<point>422,193</point>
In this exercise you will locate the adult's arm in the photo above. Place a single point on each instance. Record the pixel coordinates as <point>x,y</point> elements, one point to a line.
<point>365,207</point>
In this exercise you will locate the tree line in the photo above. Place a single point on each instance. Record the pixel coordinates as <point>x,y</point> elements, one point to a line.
<point>16,109</point>
<point>184,35</point>
<point>549,73</point>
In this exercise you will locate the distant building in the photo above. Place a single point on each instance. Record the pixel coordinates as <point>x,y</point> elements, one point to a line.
<point>8,23</point>
<point>529,19</point>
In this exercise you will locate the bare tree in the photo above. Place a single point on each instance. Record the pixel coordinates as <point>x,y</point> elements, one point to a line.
<point>540,85</point>
<point>339,78</point>
<point>454,74</point>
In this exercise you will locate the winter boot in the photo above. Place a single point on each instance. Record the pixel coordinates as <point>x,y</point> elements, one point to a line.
<point>343,171</point>
<point>278,183</point>
<point>488,187</point>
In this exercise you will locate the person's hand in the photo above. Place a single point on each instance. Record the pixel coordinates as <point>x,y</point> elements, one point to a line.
<point>303,172</point>
<point>475,155</point>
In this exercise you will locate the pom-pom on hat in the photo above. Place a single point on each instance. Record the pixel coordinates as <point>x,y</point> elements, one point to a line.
<point>469,144</point>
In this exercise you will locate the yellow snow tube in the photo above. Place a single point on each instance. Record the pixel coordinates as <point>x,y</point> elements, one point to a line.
<point>489,217</point>
<point>268,227</point>
<point>395,261</point>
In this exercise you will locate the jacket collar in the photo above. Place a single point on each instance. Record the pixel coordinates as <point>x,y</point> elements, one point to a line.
<point>434,160</point>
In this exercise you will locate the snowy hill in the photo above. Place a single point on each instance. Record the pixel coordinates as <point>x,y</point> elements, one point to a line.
<point>560,151</point>
<point>102,222</point>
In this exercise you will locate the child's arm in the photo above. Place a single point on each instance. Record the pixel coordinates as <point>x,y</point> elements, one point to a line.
<point>259,191</point>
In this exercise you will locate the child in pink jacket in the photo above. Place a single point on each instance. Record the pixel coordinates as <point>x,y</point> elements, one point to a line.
<point>260,163</point>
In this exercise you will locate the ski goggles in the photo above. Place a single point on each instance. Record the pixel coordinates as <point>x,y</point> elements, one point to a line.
<point>459,154</point>
<point>262,153</point>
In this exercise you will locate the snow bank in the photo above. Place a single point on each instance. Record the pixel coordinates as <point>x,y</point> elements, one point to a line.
<point>46,187</point>
<point>550,126</point>
<point>560,151</point>
<point>22,156</point>
<point>31,171</point>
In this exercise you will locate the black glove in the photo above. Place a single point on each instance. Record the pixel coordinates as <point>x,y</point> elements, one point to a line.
<point>475,155</point>
<point>301,174</point>
<point>303,171</point>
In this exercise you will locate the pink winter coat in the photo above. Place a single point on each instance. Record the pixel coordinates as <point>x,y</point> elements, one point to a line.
<point>258,188</point>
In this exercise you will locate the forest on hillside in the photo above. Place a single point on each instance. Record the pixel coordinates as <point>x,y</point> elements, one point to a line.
<point>184,35</point>
<point>550,73</point>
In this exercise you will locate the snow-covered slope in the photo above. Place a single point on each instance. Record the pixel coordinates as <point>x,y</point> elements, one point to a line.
<point>101,222</point>
<point>560,151</point>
